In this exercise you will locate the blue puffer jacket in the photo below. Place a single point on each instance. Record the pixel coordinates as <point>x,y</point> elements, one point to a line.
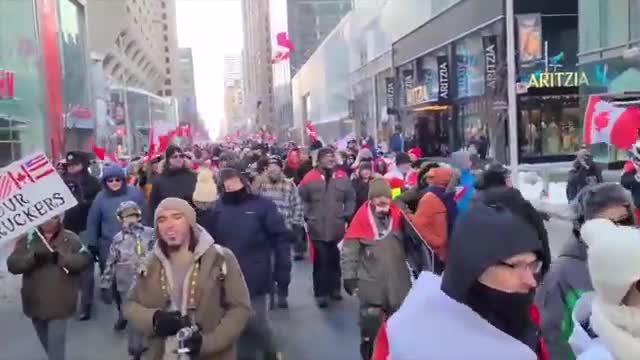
<point>102,222</point>
<point>254,230</point>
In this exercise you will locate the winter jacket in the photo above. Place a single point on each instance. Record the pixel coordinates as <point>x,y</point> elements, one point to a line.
<point>465,190</point>
<point>434,219</point>
<point>561,289</point>
<point>48,292</point>
<point>180,183</point>
<point>221,307</point>
<point>431,325</point>
<point>253,230</point>
<point>629,182</point>
<point>396,144</point>
<point>284,194</point>
<point>127,253</point>
<point>102,222</point>
<point>329,204</point>
<point>373,253</point>
<point>361,189</point>
<point>580,177</point>
<point>85,187</point>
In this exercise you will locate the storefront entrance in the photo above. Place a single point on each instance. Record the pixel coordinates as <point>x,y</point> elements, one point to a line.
<point>432,130</point>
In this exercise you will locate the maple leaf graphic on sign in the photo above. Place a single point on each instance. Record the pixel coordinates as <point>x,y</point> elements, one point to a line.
<point>602,120</point>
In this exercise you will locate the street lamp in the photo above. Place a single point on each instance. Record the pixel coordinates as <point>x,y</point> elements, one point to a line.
<point>511,92</point>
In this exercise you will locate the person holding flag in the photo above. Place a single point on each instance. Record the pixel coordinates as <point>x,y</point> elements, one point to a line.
<point>50,261</point>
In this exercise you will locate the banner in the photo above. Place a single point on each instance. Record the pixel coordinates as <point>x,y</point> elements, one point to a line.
<point>407,84</point>
<point>31,192</point>
<point>608,123</point>
<point>529,37</point>
<point>490,46</point>
<point>390,90</point>
<point>444,77</point>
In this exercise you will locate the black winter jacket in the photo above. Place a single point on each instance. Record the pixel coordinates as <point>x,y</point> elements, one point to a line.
<point>179,183</point>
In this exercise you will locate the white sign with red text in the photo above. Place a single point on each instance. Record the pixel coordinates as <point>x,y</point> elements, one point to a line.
<point>31,192</point>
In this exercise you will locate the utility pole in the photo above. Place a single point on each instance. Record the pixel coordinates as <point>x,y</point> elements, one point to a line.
<point>511,92</point>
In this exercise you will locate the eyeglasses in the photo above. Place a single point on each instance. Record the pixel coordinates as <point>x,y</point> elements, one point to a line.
<point>177,156</point>
<point>114,180</point>
<point>534,267</point>
<point>625,221</point>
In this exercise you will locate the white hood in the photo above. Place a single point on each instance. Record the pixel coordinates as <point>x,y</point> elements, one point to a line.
<point>431,325</point>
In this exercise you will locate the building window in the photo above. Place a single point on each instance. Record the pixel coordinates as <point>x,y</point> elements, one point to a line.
<point>165,27</point>
<point>164,16</point>
<point>166,49</point>
<point>163,5</point>
<point>635,19</point>
<point>168,71</point>
<point>168,93</point>
<point>167,82</point>
<point>167,60</point>
<point>166,38</point>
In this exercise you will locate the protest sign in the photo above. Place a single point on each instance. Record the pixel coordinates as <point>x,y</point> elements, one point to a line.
<point>31,192</point>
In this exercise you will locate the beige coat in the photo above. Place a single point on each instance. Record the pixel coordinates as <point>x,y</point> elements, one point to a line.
<point>221,324</point>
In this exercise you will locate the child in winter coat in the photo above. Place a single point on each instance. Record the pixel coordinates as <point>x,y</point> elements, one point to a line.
<point>127,254</point>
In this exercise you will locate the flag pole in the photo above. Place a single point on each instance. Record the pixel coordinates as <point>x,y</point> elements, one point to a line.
<point>48,246</point>
<point>512,96</point>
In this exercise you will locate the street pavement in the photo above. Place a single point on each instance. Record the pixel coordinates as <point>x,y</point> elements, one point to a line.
<point>304,332</point>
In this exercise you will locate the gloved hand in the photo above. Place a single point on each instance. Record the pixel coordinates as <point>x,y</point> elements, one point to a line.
<point>167,323</point>
<point>106,295</point>
<point>95,253</point>
<point>351,286</point>
<point>44,256</point>
<point>194,344</point>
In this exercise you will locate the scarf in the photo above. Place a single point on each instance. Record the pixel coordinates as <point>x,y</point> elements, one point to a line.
<point>618,326</point>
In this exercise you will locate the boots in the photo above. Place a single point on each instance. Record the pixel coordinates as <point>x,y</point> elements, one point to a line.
<point>322,301</point>
<point>120,324</point>
<point>85,314</point>
<point>282,302</point>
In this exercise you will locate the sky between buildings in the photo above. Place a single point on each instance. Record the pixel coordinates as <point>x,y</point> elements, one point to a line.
<point>212,28</point>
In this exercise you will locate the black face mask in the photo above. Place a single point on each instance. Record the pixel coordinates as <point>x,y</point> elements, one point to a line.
<point>627,221</point>
<point>234,197</point>
<point>506,311</point>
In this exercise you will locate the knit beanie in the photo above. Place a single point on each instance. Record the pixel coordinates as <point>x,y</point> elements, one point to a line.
<point>205,190</point>
<point>179,205</point>
<point>128,208</point>
<point>440,176</point>
<point>403,158</point>
<point>613,258</point>
<point>324,152</point>
<point>591,200</point>
<point>172,149</point>
<point>379,187</point>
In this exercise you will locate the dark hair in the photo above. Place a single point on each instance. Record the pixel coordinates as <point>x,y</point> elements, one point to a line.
<point>193,243</point>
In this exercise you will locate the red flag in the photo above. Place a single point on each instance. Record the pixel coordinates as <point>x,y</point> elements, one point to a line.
<point>283,40</point>
<point>609,123</point>
<point>313,134</point>
<point>152,143</point>
<point>100,152</point>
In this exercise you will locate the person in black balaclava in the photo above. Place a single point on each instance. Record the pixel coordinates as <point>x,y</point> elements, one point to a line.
<point>484,300</point>
<point>251,226</point>
<point>176,180</point>
<point>85,188</point>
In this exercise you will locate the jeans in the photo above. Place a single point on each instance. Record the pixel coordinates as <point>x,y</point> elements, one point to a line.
<point>87,285</point>
<point>326,268</point>
<point>53,337</point>
<point>257,337</point>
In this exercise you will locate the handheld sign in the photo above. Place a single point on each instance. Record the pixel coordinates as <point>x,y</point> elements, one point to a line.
<point>31,192</point>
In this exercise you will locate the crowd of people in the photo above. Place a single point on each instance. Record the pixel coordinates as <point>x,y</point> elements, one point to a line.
<point>195,246</point>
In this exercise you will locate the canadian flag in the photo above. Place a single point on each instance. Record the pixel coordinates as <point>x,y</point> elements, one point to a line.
<point>608,123</point>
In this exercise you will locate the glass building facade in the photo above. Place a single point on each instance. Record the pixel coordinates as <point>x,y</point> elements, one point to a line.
<point>23,117</point>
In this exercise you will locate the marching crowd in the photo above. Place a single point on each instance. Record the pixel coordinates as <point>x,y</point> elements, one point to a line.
<point>447,261</point>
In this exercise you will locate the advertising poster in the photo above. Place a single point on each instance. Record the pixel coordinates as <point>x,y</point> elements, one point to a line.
<point>530,45</point>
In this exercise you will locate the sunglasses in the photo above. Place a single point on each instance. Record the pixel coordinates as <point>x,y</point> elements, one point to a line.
<point>114,180</point>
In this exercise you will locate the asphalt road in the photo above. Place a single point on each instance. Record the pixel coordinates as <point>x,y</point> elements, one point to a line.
<point>304,332</point>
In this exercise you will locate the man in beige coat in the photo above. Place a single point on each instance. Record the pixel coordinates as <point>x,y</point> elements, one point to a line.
<point>188,283</point>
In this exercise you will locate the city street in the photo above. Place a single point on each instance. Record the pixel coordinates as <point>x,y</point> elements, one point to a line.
<point>304,331</point>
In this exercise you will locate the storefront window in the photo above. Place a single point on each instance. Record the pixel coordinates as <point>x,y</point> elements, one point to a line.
<point>549,125</point>
<point>635,19</point>
<point>470,67</point>
<point>22,117</point>
<point>615,22</point>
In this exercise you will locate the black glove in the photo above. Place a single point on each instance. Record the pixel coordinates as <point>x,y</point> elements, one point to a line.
<point>44,256</point>
<point>351,286</point>
<point>106,295</point>
<point>194,344</point>
<point>167,323</point>
<point>95,253</point>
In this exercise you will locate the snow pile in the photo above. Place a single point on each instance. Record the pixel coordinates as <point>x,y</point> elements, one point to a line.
<point>552,201</point>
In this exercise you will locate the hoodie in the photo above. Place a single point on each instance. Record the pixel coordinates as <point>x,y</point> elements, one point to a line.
<point>102,222</point>
<point>440,314</point>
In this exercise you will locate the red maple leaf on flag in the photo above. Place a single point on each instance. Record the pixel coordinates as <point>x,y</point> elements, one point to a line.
<point>602,120</point>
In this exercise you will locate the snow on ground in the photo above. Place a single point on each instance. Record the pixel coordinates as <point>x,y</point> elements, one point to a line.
<point>9,284</point>
<point>552,200</point>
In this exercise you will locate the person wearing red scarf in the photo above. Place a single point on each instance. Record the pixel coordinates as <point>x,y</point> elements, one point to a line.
<point>373,262</point>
